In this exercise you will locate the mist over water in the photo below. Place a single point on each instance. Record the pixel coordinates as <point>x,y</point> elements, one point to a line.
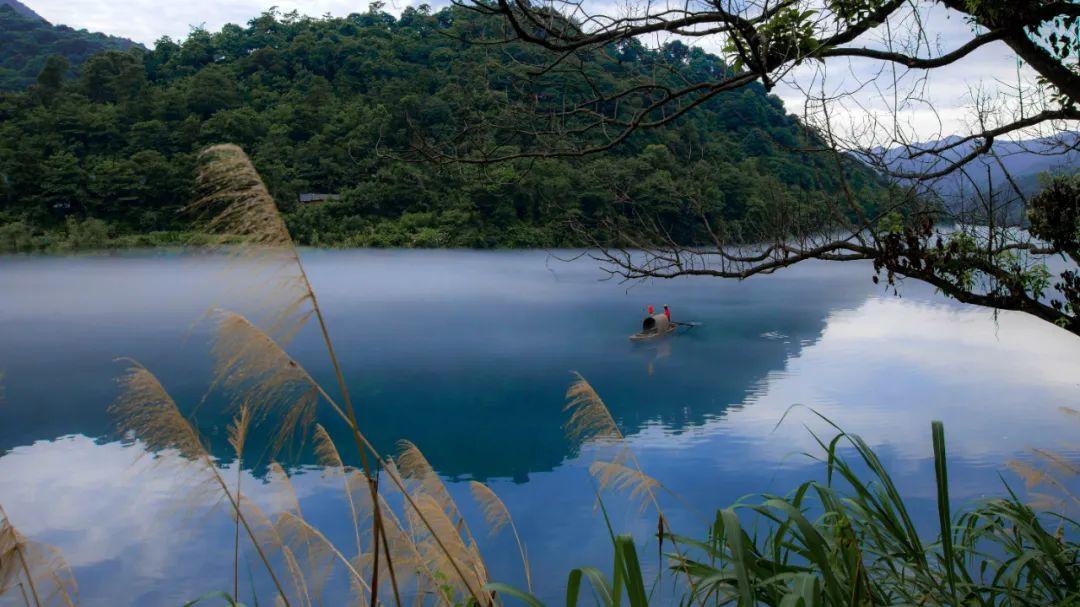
<point>468,354</point>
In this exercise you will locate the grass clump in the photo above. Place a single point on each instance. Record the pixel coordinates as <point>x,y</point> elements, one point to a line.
<point>851,540</point>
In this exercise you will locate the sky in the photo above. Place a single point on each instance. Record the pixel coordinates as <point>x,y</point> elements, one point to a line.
<point>147,20</point>
<point>948,92</point>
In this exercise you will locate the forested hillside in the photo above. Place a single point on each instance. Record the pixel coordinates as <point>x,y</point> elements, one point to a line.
<point>27,42</point>
<point>323,104</point>
<point>20,8</point>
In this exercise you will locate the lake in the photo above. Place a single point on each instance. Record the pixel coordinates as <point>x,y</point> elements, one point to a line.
<point>468,355</point>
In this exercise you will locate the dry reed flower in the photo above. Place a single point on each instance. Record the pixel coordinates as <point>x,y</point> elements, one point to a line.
<point>234,204</point>
<point>255,369</point>
<point>146,410</point>
<point>495,512</point>
<point>412,465</point>
<point>238,430</point>
<point>267,538</point>
<point>326,453</point>
<point>408,563</point>
<point>37,572</point>
<point>498,516</point>
<point>1054,474</point>
<point>314,554</point>
<point>441,545</point>
<point>1058,462</point>
<point>620,477</point>
<point>1031,475</point>
<point>252,365</point>
<point>591,422</point>
<point>590,419</point>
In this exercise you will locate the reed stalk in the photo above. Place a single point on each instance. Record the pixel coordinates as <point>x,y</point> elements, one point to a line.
<point>498,516</point>
<point>591,422</point>
<point>146,409</point>
<point>237,202</point>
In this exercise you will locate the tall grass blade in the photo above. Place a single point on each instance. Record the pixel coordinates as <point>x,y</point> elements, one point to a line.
<point>602,589</point>
<point>238,432</point>
<point>941,475</point>
<point>632,577</point>
<point>733,538</point>
<point>507,590</point>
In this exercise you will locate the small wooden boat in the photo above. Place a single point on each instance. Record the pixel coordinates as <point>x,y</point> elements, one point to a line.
<point>654,327</point>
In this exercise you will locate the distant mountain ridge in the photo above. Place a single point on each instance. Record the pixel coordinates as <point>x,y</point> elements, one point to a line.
<point>27,40</point>
<point>1024,162</point>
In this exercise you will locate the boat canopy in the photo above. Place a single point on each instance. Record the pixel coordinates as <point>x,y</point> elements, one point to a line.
<point>657,323</point>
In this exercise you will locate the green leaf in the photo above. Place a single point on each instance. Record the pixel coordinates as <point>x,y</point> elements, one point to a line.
<point>599,583</point>
<point>734,538</point>
<point>508,590</point>
<point>217,594</point>
<point>941,473</point>
<point>632,577</point>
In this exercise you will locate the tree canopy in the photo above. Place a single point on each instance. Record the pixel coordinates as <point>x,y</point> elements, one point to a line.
<point>342,106</point>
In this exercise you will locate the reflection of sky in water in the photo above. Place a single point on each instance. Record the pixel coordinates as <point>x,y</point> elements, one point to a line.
<point>468,354</point>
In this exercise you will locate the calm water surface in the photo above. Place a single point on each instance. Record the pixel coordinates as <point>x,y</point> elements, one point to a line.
<point>468,355</point>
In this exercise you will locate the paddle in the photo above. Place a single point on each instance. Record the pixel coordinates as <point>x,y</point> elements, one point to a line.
<point>686,324</point>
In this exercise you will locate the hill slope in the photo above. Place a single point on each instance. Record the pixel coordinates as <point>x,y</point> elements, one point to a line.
<point>21,9</point>
<point>27,41</point>
<point>1022,162</point>
<point>317,103</point>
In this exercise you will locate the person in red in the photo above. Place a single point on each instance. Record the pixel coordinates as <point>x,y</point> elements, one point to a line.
<point>651,310</point>
<point>667,312</point>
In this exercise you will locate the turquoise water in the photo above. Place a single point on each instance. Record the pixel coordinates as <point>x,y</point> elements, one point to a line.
<point>468,355</point>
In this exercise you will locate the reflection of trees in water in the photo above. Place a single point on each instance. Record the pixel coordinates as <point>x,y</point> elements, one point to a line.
<point>496,420</point>
<point>478,387</point>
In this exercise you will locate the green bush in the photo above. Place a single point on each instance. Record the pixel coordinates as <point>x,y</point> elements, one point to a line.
<point>16,236</point>
<point>89,233</point>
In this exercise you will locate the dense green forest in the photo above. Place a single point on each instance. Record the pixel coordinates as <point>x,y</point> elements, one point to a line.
<point>27,42</point>
<point>322,104</point>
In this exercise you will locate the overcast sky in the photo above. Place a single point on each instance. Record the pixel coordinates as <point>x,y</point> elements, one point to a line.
<point>948,91</point>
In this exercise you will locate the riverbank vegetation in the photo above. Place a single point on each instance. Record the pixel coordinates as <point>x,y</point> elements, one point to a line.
<point>848,539</point>
<point>90,234</point>
<point>336,105</point>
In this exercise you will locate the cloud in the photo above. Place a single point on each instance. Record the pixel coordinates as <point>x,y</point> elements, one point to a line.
<point>124,519</point>
<point>887,368</point>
